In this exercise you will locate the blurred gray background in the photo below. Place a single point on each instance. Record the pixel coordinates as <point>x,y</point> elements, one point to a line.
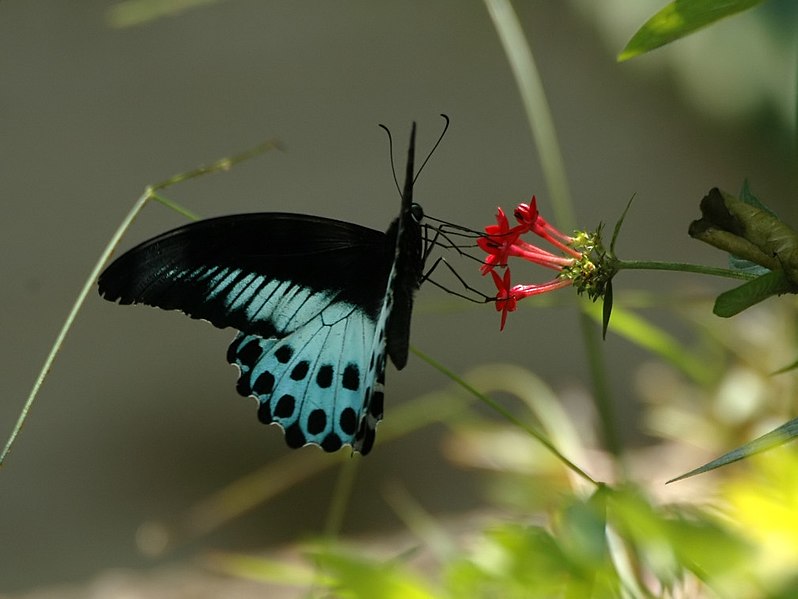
<point>139,417</point>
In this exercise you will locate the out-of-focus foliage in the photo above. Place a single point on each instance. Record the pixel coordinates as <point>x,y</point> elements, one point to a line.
<point>678,19</point>
<point>551,534</point>
<point>129,13</point>
<point>741,68</point>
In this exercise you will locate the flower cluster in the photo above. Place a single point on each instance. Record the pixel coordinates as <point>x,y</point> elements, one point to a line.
<point>501,242</point>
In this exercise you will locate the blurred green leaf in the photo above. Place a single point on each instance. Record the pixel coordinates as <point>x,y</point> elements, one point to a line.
<point>672,540</point>
<point>519,561</point>
<point>130,13</point>
<point>638,330</point>
<point>778,436</point>
<point>264,569</point>
<point>355,577</point>
<point>678,19</point>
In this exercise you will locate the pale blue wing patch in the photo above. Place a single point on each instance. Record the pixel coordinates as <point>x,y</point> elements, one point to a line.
<point>250,300</point>
<point>322,382</point>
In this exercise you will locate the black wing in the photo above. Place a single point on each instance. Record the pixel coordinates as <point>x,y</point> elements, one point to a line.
<point>255,272</point>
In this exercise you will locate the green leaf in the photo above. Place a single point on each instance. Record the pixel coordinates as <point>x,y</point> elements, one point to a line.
<point>130,13</point>
<point>638,330</point>
<point>678,19</point>
<point>778,436</point>
<point>787,368</point>
<point>606,310</point>
<point>355,576</point>
<point>618,225</point>
<point>740,298</point>
<point>740,264</point>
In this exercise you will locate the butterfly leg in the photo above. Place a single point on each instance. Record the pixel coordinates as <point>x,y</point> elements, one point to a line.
<point>481,299</point>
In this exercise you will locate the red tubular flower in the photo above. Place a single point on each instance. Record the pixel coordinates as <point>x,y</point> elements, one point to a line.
<point>529,218</point>
<point>505,301</point>
<point>507,296</point>
<point>498,242</point>
<point>501,242</point>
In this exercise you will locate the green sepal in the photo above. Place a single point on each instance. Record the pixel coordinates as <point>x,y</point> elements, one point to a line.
<point>606,309</point>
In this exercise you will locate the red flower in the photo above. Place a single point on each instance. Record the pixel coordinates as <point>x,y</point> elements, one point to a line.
<point>507,296</point>
<point>529,218</point>
<point>498,242</point>
<point>505,301</point>
<point>501,241</point>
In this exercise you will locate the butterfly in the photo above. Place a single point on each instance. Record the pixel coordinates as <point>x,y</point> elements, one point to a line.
<point>318,304</point>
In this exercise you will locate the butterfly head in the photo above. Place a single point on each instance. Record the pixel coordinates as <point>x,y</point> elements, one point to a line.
<point>417,212</point>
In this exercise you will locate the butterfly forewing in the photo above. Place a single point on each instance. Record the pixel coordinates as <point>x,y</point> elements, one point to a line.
<point>319,303</point>
<point>247,271</point>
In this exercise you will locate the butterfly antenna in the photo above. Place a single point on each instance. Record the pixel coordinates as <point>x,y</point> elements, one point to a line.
<point>390,154</point>
<point>432,151</point>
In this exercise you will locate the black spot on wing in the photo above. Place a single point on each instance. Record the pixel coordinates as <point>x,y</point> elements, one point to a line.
<point>285,406</point>
<point>264,384</point>
<point>376,404</point>
<point>284,353</point>
<point>348,421</point>
<point>265,413</point>
<point>294,436</point>
<point>324,377</point>
<point>317,422</point>
<point>331,442</point>
<point>300,371</point>
<point>351,380</point>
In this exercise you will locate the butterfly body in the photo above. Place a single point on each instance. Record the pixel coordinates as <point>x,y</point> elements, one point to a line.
<point>319,303</point>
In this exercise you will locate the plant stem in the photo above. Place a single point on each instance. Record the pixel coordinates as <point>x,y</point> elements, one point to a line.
<point>683,267</point>
<point>602,398</point>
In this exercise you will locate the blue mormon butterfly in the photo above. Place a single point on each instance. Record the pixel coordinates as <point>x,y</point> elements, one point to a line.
<point>318,304</point>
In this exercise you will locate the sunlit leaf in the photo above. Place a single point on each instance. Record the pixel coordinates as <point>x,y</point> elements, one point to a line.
<point>518,561</point>
<point>678,19</point>
<point>673,540</point>
<point>354,576</point>
<point>263,569</point>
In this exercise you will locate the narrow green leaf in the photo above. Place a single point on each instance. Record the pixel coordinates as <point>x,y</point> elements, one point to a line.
<point>619,224</point>
<point>776,437</point>
<point>787,368</point>
<point>678,19</point>
<point>740,298</point>
<point>606,310</point>
<point>638,330</point>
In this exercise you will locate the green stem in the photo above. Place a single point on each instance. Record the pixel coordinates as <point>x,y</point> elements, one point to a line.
<point>224,164</point>
<point>601,387</point>
<point>505,413</point>
<point>683,267</point>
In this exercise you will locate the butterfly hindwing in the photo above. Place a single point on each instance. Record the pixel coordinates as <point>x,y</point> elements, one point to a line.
<point>320,383</point>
